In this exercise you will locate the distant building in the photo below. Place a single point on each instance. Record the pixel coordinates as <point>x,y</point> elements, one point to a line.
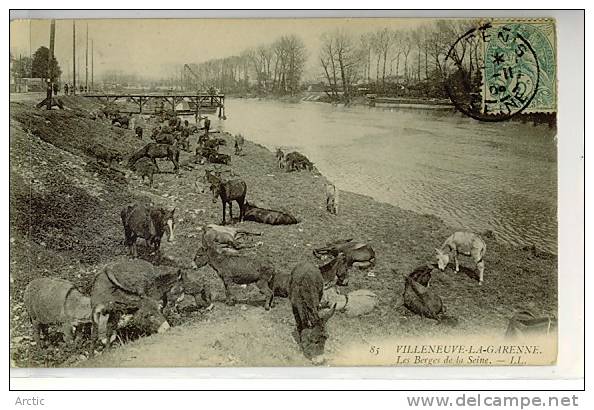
<point>316,87</point>
<point>25,85</point>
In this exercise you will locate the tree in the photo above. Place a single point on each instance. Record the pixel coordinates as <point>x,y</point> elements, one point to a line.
<point>383,40</point>
<point>40,65</point>
<point>276,67</point>
<point>290,55</point>
<point>21,68</point>
<point>341,60</point>
<point>327,60</point>
<point>366,44</point>
<point>406,47</point>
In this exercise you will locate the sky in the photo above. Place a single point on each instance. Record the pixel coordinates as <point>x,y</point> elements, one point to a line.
<point>152,47</point>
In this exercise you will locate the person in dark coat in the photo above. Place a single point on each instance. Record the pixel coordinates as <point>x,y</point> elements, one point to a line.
<point>56,88</point>
<point>66,89</point>
<point>48,90</point>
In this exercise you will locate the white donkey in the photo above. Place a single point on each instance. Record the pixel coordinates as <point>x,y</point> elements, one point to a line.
<point>465,243</point>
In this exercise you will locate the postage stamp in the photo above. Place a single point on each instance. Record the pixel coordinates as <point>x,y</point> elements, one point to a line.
<point>504,67</point>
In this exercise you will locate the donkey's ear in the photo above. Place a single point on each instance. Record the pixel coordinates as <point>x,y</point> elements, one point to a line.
<point>180,274</point>
<point>173,211</point>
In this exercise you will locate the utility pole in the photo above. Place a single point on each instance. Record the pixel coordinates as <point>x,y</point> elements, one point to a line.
<point>50,71</point>
<point>87,61</point>
<point>30,55</point>
<point>74,57</point>
<point>17,76</point>
<point>92,63</point>
<point>49,101</point>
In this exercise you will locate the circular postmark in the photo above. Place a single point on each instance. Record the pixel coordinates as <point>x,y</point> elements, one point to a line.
<point>491,72</point>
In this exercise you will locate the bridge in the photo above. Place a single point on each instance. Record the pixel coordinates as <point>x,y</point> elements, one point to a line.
<point>153,103</point>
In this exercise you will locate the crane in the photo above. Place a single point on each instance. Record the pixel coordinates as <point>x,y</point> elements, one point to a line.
<point>187,67</point>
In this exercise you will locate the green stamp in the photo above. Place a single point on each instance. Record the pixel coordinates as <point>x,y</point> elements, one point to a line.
<point>501,68</point>
<point>520,57</point>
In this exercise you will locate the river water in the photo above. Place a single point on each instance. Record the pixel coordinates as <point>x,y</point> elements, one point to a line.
<point>477,176</point>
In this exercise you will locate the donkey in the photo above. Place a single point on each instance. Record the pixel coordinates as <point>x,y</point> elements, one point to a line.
<point>148,223</point>
<point>105,154</point>
<point>144,167</point>
<point>526,324</point>
<point>336,271</point>
<point>224,236</point>
<point>359,254</point>
<point>122,119</point>
<point>184,139</point>
<point>465,243</point>
<point>240,270</point>
<point>202,139</point>
<point>280,158</point>
<point>331,199</point>
<point>421,299</point>
<point>153,151</point>
<point>295,161</point>
<point>209,178</point>
<point>138,131</point>
<point>125,288</point>
<point>214,143</point>
<point>267,216</point>
<point>212,176</point>
<point>306,288</point>
<point>229,191</point>
<point>239,141</point>
<point>218,158</point>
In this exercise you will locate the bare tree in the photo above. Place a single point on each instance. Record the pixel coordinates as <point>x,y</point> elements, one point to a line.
<point>290,56</point>
<point>384,40</point>
<point>406,47</point>
<point>277,67</point>
<point>366,44</point>
<point>341,60</point>
<point>414,55</point>
<point>327,60</point>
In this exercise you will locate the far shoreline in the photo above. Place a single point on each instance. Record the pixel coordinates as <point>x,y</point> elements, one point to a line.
<point>387,102</point>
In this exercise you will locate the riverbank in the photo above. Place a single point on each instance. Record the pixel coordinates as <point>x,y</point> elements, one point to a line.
<point>320,96</point>
<point>65,223</point>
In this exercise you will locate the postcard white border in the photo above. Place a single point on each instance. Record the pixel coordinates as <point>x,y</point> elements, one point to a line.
<point>567,372</point>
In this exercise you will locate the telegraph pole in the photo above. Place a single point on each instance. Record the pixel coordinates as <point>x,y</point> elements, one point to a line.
<point>30,55</point>
<point>92,63</point>
<point>74,57</point>
<point>49,101</point>
<point>87,61</point>
<point>50,69</point>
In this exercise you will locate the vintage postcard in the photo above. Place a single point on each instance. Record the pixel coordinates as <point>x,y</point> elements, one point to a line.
<point>283,192</point>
